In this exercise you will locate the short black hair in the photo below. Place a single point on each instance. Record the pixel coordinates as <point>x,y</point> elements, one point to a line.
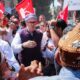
<point>23,23</point>
<point>7,15</point>
<point>61,24</point>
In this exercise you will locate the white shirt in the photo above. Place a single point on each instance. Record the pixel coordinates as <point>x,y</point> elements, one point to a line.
<point>16,43</point>
<point>9,55</point>
<point>46,40</point>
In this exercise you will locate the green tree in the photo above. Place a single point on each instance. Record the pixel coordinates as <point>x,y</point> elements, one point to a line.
<point>42,7</point>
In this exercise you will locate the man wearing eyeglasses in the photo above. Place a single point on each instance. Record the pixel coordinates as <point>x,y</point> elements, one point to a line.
<point>27,42</point>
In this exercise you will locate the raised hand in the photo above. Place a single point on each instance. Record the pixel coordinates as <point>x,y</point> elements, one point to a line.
<point>35,69</point>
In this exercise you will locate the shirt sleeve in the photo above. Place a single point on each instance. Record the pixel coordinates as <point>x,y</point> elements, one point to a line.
<point>9,55</point>
<point>16,43</point>
<point>44,40</point>
<point>45,78</point>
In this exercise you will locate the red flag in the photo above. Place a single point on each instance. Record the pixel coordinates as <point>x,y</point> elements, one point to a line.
<point>63,14</point>
<point>24,8</point>
<point>1,9</point>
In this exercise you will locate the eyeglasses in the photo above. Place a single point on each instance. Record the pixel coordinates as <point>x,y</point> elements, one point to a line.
<point>32,22</point>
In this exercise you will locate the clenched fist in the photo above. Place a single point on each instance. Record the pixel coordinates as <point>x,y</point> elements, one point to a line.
<point>29,44</point>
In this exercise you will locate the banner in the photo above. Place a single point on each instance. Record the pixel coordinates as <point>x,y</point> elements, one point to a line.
<point>24,8</point>
<point>73,5</point>
<point>63,14</point>
<point>1,9</point>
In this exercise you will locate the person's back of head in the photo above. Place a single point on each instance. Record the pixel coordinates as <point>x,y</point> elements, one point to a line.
<point>61,24</point>
<point>69,46</point>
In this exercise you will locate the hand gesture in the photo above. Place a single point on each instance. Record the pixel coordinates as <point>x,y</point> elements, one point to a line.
<point>31,71</point>
<point>29,44</point>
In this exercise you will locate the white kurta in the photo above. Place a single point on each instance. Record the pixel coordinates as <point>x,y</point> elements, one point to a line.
<point>9,55</point>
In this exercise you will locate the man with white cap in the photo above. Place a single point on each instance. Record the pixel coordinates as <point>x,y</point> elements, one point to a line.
<point>28,42</point>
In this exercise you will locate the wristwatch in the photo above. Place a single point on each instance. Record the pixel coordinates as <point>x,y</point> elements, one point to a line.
<point>51,27</point>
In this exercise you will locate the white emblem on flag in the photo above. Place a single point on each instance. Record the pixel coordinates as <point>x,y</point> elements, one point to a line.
<point>24,11</point>
<point>1,11</point>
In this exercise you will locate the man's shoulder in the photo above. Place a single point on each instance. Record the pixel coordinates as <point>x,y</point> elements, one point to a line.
<point>23,31</point>
<point>54,78</point>
<point>46,78</point>
<point>39,32</point>
<point>3,45</point>
<point>2,42</point>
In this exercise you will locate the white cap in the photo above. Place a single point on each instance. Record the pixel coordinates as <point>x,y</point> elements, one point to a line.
<point>30,17</point>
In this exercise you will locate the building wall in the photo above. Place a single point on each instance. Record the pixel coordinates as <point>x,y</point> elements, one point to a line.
<point>42,7</point>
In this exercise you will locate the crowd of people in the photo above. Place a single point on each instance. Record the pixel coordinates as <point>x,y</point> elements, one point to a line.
<point>35,49</point>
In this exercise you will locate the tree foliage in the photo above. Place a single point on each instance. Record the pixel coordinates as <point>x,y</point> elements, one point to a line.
<point>42,7</point>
